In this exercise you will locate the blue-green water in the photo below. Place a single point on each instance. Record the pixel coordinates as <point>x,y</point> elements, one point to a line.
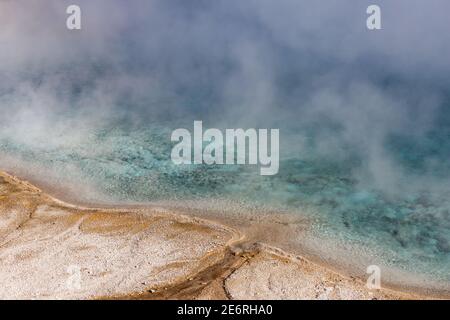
<point>133,165</point>
<point>364,117</point>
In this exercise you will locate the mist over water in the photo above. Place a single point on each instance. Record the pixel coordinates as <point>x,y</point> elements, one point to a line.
<point>363,116</point>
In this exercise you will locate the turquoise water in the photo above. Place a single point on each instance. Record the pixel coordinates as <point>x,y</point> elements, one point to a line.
<point>133,165</point>
<point>364,117</point>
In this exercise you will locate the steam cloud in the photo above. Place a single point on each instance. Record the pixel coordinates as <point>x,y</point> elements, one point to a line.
<point>290,64</point>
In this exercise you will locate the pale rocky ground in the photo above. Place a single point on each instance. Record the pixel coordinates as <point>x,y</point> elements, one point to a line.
<point>269,276</point>
<point>53,250</point>
<point>43,245</point>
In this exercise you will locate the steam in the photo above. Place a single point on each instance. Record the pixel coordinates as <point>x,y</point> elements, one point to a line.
<point>286,64</point>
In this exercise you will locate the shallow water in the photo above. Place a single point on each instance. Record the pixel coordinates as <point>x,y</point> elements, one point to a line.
<point>409,226</point>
